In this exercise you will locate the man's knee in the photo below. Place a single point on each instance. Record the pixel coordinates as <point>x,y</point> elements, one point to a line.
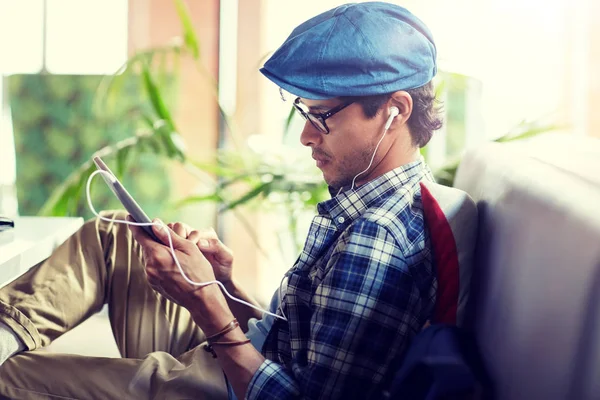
<point>118,215</point>
<point>108,222</point>
<point>109,234</point>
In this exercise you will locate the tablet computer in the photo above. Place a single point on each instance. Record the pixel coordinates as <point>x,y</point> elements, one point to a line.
<point>124,197</point>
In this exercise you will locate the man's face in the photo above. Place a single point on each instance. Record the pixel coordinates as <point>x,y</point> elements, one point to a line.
<point>347,149</point>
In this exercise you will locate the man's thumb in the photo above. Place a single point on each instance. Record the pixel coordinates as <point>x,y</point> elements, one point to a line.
<point>217,248</point>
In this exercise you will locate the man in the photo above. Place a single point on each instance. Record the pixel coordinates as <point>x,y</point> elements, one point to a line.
<point>362,287</point>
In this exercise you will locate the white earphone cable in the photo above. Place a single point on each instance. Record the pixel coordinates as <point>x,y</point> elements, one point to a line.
<point>163,226</point>
<point>371,162</point>
<point>385,129</point>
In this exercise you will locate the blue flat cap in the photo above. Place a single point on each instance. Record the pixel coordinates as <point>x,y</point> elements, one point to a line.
<point>355,50</point>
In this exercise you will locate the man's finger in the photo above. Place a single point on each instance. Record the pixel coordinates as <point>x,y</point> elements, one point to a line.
<point>162,232</point>
<point>179,229</point>
<point>207,235</point>
<point>203,240</point>
<point>213,246</point>
<point>138,233</point>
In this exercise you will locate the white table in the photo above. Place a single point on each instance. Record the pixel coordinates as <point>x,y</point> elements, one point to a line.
<point>31,241</point>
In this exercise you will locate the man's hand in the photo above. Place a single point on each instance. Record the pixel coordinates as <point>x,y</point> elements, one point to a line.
<point>219,255</point>
<point>161,270</point>
<point>221,260</point>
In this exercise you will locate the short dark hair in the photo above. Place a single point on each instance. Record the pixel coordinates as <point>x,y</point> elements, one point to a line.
<point>426,114</point>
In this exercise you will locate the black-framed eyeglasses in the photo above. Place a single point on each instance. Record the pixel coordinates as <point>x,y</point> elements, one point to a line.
<point>318,119</point>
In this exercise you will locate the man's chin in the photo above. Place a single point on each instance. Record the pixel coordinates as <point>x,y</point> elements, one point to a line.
<point>330,181</point>
<point>334,184</point>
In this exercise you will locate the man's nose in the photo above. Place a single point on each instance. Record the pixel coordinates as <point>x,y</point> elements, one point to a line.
<point>310,135</point>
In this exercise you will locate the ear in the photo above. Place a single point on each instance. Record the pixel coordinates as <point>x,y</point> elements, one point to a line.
<point>403,101</point>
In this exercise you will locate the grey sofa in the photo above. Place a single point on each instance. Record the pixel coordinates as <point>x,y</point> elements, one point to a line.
<point>535,303</point>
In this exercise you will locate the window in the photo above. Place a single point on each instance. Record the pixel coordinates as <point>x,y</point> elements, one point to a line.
<point>21,36</point>
<point>62,36</point>
<point>86,37</point>
<point>45,45</point>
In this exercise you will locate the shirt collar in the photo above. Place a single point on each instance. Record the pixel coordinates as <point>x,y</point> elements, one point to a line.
<point>350,204</point>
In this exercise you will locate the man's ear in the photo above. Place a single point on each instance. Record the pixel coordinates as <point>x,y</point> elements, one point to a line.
<point>403,101</point>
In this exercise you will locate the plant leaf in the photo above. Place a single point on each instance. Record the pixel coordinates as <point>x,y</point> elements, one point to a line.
<point>213,197</point>
<point>122,156</point>
<point>111,87</point>
<point>219,170</point>
<point>288,122</point>
<point>60,199</point>
<point>246,197</point>
<point>189,34</point>
<point>156,98</point>
<point>525,131</point>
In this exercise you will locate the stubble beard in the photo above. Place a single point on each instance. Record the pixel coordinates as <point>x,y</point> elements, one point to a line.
<point>350,167</point>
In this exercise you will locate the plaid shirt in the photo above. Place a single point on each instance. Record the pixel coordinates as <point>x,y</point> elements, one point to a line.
<point>361,288</point>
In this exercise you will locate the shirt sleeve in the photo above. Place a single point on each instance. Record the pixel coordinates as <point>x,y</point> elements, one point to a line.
<point>364,310</point>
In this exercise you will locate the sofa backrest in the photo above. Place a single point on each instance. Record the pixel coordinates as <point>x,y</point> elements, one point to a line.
<point>451,219</point>
<point>536,284</point>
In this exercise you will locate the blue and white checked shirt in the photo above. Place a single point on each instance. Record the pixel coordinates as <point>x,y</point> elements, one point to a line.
<point>361,288</point>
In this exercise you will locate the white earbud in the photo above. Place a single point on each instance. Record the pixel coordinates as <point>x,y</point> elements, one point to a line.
<point>394,111</point>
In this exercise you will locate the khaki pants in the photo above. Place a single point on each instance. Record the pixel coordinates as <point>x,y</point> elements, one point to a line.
<point>101,264</point>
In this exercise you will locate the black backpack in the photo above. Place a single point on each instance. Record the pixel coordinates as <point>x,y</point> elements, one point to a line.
<point>441,363</point>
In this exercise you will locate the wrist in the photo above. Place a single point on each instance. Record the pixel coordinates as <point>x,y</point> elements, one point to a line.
<point>210,310</point>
